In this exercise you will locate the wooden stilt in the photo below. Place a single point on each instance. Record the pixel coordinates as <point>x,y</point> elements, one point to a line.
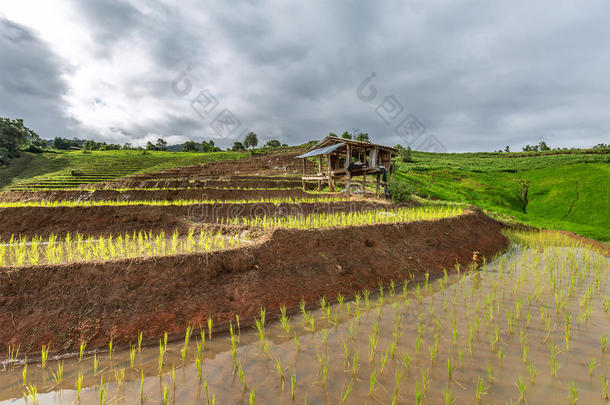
<point>377,189</point>
<point>364,181</point>
<point>348,184</point>
<point>303,174</point>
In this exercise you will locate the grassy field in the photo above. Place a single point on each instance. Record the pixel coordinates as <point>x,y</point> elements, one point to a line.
<point>55,169</point>
<point>568,191</point>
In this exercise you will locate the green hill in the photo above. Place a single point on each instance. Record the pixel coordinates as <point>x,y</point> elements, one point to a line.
<point>566,191</point>
<point>57,169</point>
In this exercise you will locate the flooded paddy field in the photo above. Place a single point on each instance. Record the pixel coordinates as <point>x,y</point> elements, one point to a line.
<point>530,326</point>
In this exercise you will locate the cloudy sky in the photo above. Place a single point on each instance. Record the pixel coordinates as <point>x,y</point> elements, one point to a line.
<point>437,74</point>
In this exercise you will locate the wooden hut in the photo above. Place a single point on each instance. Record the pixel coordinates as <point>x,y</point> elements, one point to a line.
<point>345,159</point>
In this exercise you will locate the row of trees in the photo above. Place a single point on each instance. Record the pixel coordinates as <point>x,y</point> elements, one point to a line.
<point>355,134</point>
<point>543,147</point>
<point>15,137</point>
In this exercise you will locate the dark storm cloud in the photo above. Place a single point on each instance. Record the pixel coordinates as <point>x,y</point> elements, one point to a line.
<point>31,86</point>
<point>477,75</point>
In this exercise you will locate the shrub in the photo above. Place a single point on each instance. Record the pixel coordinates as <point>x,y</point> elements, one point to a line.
<point>405,155</point>
<point>400,191</point>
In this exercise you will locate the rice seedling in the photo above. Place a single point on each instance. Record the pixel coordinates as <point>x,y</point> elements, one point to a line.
<point>240,373</point>
<point>604,387</point>
<point>346,391</point>
<point>450,368</point>
<point>296,341</point>
<point>522,388</point>
<point>533,372</point>
<point>78,385</point>
<point>44,356</point>
<point>31,393</point>
<point>140,341</point>
<point>573,393</point>
<point>293,381</point>
<point>490,372</point>
<point>372,346</point>
<point>187,338</point>
<point>604,342</point>
<point>160,358</point>
<point>280,371</point>
<point>384,361</point>
<point>372,382</point>
<point>58,375</point>
<point>119,377</point>
<point>447,395</point>
<point>132,356</point>
<point>110,349</point>
<point>165,395</point>
<point>81,350</point>
<point>419,394</point>
<point>355,363</point>
<point>284,320</point>
<point>141,386</point>
<point>324,372</point>
<point>24,372</point>
<point>102,391</point>
<point>480,389</point>
<point>553,361</point>
<point>397,379</point>
<point>13,353</point>
<point>252,397</point>
<point>406,363</point>
<point>592,365</point>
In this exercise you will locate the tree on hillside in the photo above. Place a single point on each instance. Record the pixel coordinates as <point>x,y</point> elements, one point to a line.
<point>332,134</point>
<point>161,144</point>
<point>251,140</point>
<point>189,146</point>
<point>346,135</point>
<point>237,146</point>
<point>362,137</point>
<point>543,146</point>
<point>522,193</point>
<point>207,147</point>
<point>273,144</point>
<point>64,143</point>
<point>14,136</point>
<point>405,155</point>
<point>507,149</point>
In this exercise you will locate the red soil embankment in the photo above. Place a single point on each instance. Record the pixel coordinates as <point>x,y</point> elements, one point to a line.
<point>66,304</point>
<point>148,195</point>
<point>104,220</point>
<point>199,183</point>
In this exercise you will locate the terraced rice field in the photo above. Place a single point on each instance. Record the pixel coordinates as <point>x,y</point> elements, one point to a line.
<point>529,326</point>
<point>228,283</point>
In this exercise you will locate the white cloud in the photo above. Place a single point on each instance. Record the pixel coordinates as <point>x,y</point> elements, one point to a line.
<point>477,75</point>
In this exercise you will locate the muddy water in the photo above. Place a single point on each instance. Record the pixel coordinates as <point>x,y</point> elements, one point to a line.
<point>492,325</point>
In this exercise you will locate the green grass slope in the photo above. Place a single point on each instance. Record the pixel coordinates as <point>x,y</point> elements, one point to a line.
<point>567,191</point>
<point>54,170</point>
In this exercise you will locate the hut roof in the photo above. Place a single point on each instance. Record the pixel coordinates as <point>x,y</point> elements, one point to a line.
<point>331,140</point>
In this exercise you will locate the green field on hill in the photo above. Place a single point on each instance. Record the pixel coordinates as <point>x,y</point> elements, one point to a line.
<point>566,191</point>
<point>56,170</point>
